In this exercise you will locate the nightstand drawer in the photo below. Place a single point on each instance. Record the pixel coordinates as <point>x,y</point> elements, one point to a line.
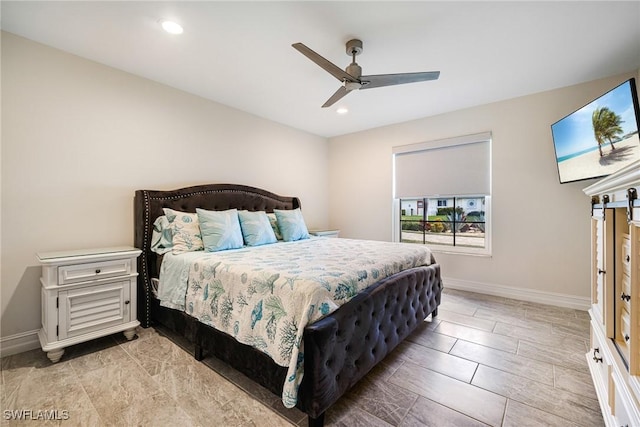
<point>95,270</point>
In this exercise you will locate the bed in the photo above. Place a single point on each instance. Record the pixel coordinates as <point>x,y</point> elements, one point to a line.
<point>339,349</point>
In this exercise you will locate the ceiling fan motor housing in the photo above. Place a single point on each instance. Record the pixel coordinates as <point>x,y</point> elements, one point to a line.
<point>354,47</point>
<point>355,70</point>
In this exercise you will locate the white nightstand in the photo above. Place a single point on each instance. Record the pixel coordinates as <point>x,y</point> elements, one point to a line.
<point>325,233</point>
<point>87,294</point>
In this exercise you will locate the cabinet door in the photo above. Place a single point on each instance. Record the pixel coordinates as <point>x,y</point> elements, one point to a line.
<point>631,265</point>
<point>597,293</point>
<point>92,308</point>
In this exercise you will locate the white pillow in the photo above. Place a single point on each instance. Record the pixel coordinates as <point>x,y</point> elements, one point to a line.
<point>185,230</point>
<point>274,224</point>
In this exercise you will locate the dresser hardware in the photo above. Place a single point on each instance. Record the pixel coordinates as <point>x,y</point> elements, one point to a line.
<point>127,302</point>
<point>632,195</point>
<point>600,271</point>
<point>97,271</point>
<point>625,297</point>
<point>628,258</point>
<point>596,358</point>
<point>626,338</point>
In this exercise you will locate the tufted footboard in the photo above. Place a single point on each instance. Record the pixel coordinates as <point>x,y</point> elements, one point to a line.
<point>341,348</point>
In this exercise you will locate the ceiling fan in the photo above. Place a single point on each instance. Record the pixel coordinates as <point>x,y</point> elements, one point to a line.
<point>353,79</point>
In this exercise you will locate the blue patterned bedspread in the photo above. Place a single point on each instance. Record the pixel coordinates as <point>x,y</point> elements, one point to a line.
<point>264,296</point>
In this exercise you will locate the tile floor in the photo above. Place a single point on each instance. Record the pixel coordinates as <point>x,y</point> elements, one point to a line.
<point>483,361</point>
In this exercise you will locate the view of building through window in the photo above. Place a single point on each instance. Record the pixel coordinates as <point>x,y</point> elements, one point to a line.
<point>450,221</point>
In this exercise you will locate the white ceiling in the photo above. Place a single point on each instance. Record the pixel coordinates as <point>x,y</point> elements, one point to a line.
<point>239,53</point>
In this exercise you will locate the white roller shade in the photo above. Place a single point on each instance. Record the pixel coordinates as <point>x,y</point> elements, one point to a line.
<point>450,167</point>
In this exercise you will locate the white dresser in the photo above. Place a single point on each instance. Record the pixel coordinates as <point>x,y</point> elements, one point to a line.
<point>87,294</point>
<point>614,357</point>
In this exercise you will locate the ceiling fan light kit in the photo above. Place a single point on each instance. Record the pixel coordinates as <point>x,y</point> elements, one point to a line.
<point>352,78</point>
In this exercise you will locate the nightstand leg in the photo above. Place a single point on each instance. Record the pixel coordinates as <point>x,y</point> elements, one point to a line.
<point>55,355</point>
<point>130,333</point>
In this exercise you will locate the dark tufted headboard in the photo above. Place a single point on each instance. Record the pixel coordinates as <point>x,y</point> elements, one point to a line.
<point>148,206</point>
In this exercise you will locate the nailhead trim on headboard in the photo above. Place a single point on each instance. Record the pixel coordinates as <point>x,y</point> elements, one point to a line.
<point>145,266</point>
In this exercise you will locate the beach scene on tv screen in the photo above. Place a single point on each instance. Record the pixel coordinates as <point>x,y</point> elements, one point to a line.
<point>599,138</point>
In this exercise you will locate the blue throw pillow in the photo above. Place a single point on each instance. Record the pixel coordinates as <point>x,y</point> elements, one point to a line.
<point>291,224</point>
<point>220,229</point>
<point>256,228</point>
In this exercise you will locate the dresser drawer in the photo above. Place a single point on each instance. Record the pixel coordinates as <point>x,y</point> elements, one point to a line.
<point>92,271</point>
<point>599,365</point>
<point>624,336</point>
<point>625,293</point>
<point>626,255</point>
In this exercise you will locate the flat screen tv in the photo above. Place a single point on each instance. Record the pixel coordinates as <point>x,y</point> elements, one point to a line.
<point>599,138</point>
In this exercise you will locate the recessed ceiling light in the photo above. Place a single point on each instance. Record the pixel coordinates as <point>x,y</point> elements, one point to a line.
<point>342,110</point>
<point>172,27</point>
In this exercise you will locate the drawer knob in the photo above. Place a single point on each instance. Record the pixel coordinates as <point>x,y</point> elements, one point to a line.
<point>628,258</point>
<point>626,338</point>
<point>596,358</point>
<point>97,271</point>
<point>127,302</point>
<point>625,297</point>
<point>600,271</point>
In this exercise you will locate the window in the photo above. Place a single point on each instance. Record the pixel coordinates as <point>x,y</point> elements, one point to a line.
<point>443,194</point>
<point>441,225</point>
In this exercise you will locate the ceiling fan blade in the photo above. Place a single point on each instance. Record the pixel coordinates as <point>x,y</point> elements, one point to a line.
<point>331,68</point>
<point>380,80</point>
<point>336,96</point>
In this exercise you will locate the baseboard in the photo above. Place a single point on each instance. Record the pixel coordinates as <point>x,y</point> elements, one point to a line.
<point>551,298</point>
<point>18,343</point>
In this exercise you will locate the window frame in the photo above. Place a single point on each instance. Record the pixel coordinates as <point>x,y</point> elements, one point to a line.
<point>449,142</point>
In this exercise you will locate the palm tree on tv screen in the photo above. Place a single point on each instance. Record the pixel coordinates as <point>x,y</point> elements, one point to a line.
<point>606,126</point>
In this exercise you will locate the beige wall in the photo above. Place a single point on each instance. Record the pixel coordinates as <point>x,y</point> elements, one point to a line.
<point>78,138</point>
<point>541,238</point>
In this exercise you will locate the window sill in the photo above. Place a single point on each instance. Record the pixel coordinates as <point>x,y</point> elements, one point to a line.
<point>452,250</point>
